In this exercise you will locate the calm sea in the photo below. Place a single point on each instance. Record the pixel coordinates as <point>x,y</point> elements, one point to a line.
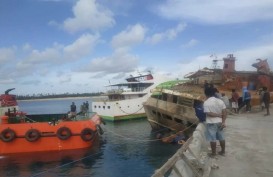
<point>126,149</point>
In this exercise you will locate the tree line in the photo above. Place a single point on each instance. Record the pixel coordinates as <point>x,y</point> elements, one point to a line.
<point>49,96</point>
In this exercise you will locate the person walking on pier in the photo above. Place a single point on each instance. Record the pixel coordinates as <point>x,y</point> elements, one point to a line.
<point>247,99</point>
<point>266,100</point>
<point>216,116</point>
<point>234,101</point>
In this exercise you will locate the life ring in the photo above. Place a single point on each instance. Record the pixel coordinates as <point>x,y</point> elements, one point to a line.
<point>7,135</point>
<point>32,135</point>
<point>64,133</point>
<point>99,129</point>
<point>87,134</point>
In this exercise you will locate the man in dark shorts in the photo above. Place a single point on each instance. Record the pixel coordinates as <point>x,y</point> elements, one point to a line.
<point>266,100</point>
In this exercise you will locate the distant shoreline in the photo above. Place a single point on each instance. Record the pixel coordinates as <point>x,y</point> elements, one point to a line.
<point>65,98</point>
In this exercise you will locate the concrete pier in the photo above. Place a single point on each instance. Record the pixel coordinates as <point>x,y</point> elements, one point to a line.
<point>249,146</point>
<point>249,150</point>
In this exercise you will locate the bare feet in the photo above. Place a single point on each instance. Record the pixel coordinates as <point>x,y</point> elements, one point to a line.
<point>221,153</point>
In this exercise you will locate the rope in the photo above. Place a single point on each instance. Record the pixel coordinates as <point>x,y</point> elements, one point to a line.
<point>25,117</point>
<point>60,166</point>
<point>127,112</point>
<point>148,140</point>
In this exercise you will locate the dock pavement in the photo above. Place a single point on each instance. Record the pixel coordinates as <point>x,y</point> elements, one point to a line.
<point>249,146</point>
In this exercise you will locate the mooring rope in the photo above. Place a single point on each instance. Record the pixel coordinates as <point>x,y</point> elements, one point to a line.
<point>127,112</point>
<point>148,140</point>
<point>60,166</point>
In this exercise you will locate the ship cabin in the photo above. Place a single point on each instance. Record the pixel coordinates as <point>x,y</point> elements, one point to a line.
<point>228,78</point>
<point>135,87</point>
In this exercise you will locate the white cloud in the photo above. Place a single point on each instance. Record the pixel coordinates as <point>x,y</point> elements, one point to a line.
<point>217,12</point>
<point>6,54</point>
<point>81,46</point>
<point>169,34</point>
<point>120,61</point>
<point>131,36</point>
<point>58,54</point>
<point>66,79</point>
<point>191,43</point>
<point>7,81</point>
<point>90,15</point>
<point>31,82</point>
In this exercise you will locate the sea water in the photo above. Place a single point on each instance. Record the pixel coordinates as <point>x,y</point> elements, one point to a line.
<point>126,149</point>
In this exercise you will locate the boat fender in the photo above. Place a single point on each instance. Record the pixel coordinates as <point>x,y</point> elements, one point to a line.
<point>64,133</point>
<point>32,135</point>
<point>99,129</point>
<point>87,134</point>
<point>7,135</point>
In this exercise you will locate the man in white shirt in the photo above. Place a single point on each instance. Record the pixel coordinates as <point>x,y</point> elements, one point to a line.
<point>215,109</point>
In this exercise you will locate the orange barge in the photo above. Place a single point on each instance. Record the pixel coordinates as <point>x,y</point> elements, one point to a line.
<point>20,133</point>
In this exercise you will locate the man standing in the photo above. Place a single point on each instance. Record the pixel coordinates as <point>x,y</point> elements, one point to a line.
<point>247,99</point>
<point>234,101</point>
<point>266,100</point>
<point>73,110</point>
<point>216,116</point>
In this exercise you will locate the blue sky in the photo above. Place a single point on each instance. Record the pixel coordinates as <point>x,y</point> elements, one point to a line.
<point>76,46</point>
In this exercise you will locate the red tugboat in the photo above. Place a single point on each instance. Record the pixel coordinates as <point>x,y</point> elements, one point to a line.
<point>20,132</point>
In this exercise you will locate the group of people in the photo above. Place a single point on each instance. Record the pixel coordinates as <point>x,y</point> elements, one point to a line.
<point>214,112</point>
<point>73,109</point>
<point>238,102</point>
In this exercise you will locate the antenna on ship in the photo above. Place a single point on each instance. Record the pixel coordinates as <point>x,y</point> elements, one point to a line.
<point>214,61</point>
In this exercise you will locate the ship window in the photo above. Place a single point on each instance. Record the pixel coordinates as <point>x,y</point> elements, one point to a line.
<point>95,106</point>
<point>99,106</point>
<point>103,107</point>
<point>185,101</point>
<point>164,96</point>
<point>178,120</point>
<point>184,110</point>
<point>167,117</point>
<point>108,107</point>
<point>174,99</point>
<point>170,98</point>
<point>159,97</point>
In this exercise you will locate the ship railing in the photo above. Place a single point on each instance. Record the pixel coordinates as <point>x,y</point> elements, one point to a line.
<point>138,89</point>
<point>115,91</point>
<point>100,99</point>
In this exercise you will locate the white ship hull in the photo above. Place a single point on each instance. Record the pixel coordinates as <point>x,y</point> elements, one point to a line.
<point>120,110</point>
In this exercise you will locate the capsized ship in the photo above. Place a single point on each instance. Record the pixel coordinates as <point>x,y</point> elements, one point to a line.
<point>173,107</point>
<point>124,101</point>
<point>20,132</point>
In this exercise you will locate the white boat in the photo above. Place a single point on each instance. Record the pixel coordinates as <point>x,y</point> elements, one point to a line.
<point>124,101</point>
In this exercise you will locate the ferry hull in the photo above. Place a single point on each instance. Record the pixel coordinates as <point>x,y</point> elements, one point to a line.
<point>162,114</point>
<point>49,139</point>
<point>120,110</point>
<point>124,117</point>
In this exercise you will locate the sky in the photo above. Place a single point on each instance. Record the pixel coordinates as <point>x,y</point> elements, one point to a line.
<point>80,46</point>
